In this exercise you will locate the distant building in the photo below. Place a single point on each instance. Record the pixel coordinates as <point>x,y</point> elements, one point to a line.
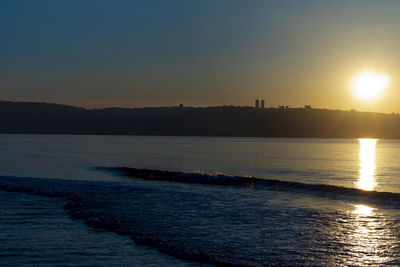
<point>181,105</point>
<point>257,103</point>
<point>281,107</point>
<point>262,103</point>
<point>307,107</point>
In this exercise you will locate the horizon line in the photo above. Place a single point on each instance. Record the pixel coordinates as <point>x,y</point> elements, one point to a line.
<point>280,107</point>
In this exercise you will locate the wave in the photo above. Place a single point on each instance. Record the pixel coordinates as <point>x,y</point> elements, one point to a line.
<point>95,203</point>
<point>322,190</point>
<point>213,226</point>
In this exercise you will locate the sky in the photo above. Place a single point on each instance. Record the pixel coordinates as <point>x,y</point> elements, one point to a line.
<point>98,53</point>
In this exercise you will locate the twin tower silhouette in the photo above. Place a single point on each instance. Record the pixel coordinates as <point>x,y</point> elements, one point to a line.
<point>258,103</point>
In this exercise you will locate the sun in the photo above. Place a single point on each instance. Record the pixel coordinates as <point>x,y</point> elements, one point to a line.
<point>370,85</point>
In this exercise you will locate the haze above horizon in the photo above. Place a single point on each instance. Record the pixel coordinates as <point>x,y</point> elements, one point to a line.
<point>98,53</point>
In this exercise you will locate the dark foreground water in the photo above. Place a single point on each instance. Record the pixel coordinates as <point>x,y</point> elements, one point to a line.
<point>307,202</point>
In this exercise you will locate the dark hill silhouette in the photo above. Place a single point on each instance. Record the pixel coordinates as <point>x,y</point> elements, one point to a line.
<point>44,118</point>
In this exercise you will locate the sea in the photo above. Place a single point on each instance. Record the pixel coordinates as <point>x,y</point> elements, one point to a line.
<point>86,200</point>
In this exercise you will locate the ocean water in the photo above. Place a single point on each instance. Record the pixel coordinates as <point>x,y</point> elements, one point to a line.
<point>84,200</point>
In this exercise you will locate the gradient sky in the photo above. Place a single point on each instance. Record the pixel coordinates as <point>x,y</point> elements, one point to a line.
<point>97,53</point>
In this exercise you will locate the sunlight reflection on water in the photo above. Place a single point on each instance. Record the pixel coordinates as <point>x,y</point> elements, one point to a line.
<point>370,239</point>
<point>363,210</point>
<point>369,235</point>
<point>366,178</point>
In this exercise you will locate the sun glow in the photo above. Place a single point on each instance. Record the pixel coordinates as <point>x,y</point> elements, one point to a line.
<point>369,85</point>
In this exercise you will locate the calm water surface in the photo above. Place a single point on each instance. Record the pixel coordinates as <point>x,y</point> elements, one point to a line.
<point>293,224</point>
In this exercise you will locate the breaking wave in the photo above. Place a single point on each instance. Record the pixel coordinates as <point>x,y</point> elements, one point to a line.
<point>332,191</point>
<point>221,227</point>
<point>100,204</point>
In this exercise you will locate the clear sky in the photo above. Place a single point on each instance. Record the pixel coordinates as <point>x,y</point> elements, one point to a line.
<point>97,53</point>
